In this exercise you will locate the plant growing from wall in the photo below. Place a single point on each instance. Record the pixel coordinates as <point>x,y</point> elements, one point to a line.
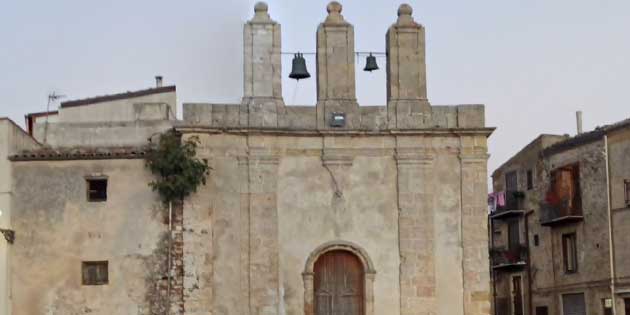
<point>174,161</point>
<point>178,174</point>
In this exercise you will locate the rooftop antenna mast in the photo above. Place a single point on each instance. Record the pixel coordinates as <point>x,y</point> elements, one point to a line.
<point>52,97</point>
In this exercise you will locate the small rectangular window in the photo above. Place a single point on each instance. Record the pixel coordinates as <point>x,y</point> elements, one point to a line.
<point>96,189</point>
<point>536,240</point>
<point>569,250</point>
<point>95,272</point>
<point>530,179</point>
<point>542,310</point>
<point>626,189</point>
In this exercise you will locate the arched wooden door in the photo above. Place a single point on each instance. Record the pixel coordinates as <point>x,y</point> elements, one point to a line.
<point>339,283</point>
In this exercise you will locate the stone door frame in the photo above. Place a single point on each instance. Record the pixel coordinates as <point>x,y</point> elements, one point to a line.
<point>368,267</point>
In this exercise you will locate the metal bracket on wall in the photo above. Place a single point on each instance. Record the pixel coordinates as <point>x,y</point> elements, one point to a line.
<point>9,235</point>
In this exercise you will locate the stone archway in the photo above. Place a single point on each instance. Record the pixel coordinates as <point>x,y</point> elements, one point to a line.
<point>368,267</point>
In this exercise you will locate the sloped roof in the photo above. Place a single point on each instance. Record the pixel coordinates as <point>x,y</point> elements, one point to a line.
<point>585,138</point>
<point>119,96</point>
<point>81,153</point>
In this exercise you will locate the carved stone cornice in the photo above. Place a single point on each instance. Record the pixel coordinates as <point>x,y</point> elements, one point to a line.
<point>474,157</point>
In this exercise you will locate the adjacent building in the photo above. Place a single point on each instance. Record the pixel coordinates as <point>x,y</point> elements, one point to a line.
<point>559,238</point>
<point>327,208</point>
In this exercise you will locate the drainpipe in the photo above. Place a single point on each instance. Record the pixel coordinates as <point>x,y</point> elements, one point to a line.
<point>611,243</point>
<point>492,272</point>
<point>170,249</point>
<point>528,264</point>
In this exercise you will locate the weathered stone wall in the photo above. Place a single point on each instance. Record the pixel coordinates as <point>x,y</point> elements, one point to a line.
<point>272,200</point>
<point>619,159</point>
<point>592,235</point>
<point>103,134</point>
<point>372,118</point>
<point>57,229</point>
<point>12,140</point>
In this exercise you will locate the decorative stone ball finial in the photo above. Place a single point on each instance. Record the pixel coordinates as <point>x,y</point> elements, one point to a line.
<point>334,7</point>
<point>261,12</point>
<point>404,15</point>
<point>405,9</point>
<point>261,7</point>
<point>334,13</point>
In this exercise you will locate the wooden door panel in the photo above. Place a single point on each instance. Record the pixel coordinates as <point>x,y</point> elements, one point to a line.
<point>338,284</point>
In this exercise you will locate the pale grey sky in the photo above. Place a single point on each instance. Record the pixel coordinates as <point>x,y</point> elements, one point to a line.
<point>532,63</point>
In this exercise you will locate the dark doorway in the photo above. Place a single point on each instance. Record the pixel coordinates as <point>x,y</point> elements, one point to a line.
<point>517,295</point>
<point>339,283</point>
<point>626,302</point>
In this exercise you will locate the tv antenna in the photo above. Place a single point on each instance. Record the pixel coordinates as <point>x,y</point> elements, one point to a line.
<point>52,97</point>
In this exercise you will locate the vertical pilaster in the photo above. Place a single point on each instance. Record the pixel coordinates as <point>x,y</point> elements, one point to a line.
<point>336,90</point>
<point>262,81</point>
<point>263,233</point>
<point>474,226</point>
<point>416,231</point>
<point>407,103</point>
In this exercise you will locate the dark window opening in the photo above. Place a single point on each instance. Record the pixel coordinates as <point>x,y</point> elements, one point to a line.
<point>626,184</point>
<point>536,240</point>
<point>569,251</point>
<point>97,189</point>
<point>626,303</point>
<point>511,181</point>
<point>514,242</point>
<point>530,179</point>
<point>542,310</point>
<point>95,272</point>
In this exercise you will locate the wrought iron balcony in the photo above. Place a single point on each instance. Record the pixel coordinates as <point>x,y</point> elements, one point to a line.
<point>551,215</point>
<point>509,259</point>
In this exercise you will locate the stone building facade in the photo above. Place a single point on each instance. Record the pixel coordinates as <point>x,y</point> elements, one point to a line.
<point>385,214</point>
<point>560,242</point>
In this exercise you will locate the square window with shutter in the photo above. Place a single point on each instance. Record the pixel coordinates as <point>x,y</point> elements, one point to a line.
<point>96,189</point>
<point>95,272</point>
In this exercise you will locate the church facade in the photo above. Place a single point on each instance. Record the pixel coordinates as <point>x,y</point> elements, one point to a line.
<point>328,209</point>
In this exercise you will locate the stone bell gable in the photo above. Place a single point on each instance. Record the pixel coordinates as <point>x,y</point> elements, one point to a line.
<point>407,105</point>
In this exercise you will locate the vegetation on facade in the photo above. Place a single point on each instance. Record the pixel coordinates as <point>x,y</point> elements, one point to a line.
<point>174,161</point>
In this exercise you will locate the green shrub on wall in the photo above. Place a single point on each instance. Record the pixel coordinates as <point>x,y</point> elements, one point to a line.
<point>174,161</point>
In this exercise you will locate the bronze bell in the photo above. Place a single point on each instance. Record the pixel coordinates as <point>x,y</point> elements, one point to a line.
<point>370,64</point>
<point>298,71</point>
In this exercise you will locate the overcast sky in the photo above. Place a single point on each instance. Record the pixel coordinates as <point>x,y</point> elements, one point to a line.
<point>533,63</point>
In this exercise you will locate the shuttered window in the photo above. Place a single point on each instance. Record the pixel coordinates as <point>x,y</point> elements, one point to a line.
<point>95,272</point>
<point>569,250</point>
<point>573,304</point>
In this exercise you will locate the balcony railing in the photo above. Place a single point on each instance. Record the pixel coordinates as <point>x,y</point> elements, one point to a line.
<point>559,214</point>
<point>514,205</point>
<point>509,258</point>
